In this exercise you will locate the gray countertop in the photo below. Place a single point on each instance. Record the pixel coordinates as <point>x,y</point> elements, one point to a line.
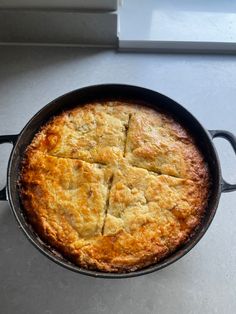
<point>204,281</point>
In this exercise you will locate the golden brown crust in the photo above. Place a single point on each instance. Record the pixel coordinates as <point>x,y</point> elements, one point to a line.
<point>114,186</point>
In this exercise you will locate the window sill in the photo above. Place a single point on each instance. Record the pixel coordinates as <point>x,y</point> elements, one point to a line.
<point>181,27</point>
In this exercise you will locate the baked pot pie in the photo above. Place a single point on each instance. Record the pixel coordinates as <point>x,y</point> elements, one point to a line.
<point>114,186</point>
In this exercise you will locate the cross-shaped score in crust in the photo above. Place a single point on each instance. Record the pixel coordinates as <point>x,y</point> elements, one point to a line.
<point>115,186</point>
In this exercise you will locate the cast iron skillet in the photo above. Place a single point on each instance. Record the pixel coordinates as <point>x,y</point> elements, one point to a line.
<point>115,92</point>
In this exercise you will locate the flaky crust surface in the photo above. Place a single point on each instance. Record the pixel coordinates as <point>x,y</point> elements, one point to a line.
<point>114,186</point>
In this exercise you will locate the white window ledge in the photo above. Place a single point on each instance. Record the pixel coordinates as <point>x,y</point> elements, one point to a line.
<point>183,25</point>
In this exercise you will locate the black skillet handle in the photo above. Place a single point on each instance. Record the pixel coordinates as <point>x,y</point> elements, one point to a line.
<point>226,187</point>
<point>6,139</point>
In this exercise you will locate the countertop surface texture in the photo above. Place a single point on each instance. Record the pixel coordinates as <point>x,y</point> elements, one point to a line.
<point>204,281</point>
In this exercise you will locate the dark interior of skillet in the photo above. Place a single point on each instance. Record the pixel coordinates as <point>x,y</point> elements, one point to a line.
<point>113,92</point>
